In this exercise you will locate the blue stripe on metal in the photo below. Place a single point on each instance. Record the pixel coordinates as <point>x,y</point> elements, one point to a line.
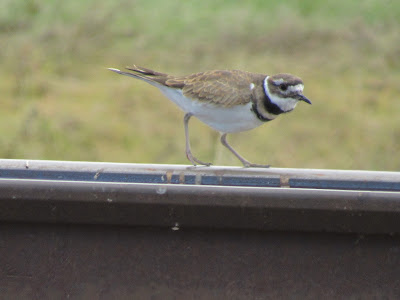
<point>139,178</point>
<point>224,180</point>
<point>240,181</point>
<point>345,184</point>
<point>82,176</point>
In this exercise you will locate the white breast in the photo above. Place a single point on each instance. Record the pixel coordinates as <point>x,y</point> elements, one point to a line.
<point>222,119</point>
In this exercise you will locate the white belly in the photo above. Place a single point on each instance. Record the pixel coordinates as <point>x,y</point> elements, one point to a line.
<point>222,119</point>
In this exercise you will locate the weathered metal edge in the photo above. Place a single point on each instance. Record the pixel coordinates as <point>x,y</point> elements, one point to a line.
<point>195,206</point>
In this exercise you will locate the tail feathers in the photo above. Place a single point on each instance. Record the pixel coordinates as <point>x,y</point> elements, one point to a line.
<point>145,71</point>
<point>150,76</point>
<point>126,73</point>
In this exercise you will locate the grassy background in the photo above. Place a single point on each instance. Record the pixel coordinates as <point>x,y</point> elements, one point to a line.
<point>58,101</point>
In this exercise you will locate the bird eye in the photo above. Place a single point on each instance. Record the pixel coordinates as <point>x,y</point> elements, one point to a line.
<point>283,87</point>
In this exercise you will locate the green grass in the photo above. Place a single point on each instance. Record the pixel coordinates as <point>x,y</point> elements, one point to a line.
<point>59,101</point>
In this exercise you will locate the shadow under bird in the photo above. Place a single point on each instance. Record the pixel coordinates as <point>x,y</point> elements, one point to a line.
<point>226,100</point>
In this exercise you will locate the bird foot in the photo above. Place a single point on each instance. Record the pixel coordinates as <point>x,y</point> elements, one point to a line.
<point>196,161</point>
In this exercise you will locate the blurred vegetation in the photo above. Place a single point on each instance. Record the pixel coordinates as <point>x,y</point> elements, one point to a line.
<point>59,102</point>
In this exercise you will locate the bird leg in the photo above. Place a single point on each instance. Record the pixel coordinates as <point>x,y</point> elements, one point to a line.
<point>244,161</point>
<point>189,154</point>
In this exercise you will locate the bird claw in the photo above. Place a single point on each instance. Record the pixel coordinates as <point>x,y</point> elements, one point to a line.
<point>196,161</point>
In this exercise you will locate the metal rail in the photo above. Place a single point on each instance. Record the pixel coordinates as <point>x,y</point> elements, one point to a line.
<point>190,175</point>
<point>201,197</point>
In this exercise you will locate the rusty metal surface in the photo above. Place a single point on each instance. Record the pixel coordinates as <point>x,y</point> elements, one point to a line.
<point>112,262</point>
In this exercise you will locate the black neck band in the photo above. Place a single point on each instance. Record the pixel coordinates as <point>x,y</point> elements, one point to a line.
<point>259,116</point>
<point>271,107</point>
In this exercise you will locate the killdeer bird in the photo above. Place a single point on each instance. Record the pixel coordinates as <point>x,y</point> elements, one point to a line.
<point>227,101</point>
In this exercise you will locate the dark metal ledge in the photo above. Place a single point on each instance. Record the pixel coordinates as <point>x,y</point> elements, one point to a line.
<point>172,242</point>
<point>235,198</point>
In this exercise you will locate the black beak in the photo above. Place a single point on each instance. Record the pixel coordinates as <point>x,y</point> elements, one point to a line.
<point>303,98</point>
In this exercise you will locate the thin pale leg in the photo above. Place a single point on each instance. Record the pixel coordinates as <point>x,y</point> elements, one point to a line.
<point>244,161</point>
<point>189,154</point>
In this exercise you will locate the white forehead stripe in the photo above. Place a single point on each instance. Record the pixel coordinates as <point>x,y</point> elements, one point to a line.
<point>252,86</point>
<point>296,88</point>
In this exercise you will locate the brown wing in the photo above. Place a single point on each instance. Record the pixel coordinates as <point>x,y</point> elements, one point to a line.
<point>227,88</point>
